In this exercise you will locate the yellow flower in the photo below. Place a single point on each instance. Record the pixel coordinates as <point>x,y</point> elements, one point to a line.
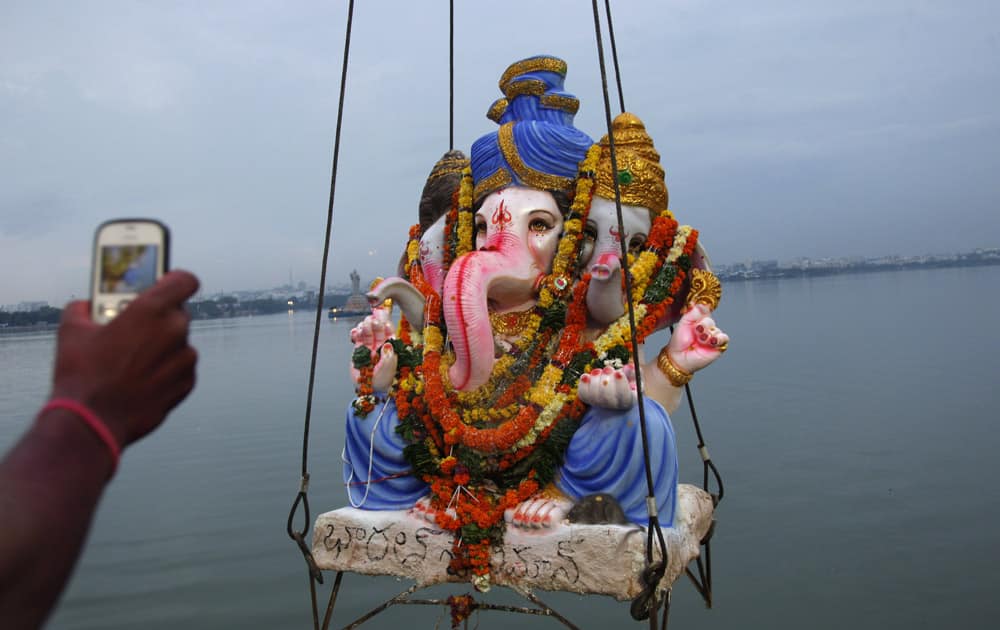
<point>618,333</point>
<point>464,232</point>
<point>545,419</point>
<point>433,340</point>
<point>412,251</point>
<point>642,272</point>
<point>679,242</point>
<point>541,393</point>
<point>465,189</point>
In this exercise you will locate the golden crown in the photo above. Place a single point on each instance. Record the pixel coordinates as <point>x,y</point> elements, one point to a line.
<point>640,176</point>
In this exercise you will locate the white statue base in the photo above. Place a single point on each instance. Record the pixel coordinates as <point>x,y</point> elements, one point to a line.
<point>588,559</point>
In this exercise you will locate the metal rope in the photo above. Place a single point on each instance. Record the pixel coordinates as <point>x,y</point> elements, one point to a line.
<point>301,497</point>
<point>704,586</point>
<point>707,462</point>
<point>653,572</point>
<point>403,599</point>
<point>614,55</point>
<point>451,75</point>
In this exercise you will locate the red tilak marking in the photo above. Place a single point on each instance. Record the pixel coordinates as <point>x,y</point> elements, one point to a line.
<point>613,232</point>
<point>501,217</point>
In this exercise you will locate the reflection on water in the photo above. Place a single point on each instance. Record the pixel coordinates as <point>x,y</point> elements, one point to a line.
<point>852,424</point>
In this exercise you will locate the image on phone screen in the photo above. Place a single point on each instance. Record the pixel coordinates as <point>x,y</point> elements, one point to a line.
<point>128,268</point>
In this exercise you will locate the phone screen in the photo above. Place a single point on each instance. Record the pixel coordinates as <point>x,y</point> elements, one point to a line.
<point>128,268</point>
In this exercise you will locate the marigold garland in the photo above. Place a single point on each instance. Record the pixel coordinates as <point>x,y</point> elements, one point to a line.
<point>466,218</point>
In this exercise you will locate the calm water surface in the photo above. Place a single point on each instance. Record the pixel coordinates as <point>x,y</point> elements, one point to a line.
<point>854,421</point>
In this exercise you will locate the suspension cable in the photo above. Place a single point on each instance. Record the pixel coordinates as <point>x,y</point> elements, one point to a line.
<point>614,55</point>
<point>451,75</point>
<point>705,569</point>
<point>651,575</point>
<point>302,497</point>
<point>707,462</point>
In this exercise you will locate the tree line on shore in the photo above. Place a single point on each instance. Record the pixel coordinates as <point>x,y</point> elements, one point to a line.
<point>225,306</point>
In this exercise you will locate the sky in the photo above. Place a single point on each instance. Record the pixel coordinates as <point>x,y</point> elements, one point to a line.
<point>787,128</point>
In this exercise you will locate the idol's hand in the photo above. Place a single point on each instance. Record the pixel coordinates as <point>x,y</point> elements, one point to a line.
<point>373,333</point>
<point>610,388</point>
<point>696,341</point>
<point>373,330</point>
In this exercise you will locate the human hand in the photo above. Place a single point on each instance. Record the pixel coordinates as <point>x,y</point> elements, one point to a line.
<point>132,371</point>
<point>609,388</point>
<point>696,341</point>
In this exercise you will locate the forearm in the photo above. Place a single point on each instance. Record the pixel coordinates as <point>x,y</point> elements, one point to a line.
<point>50,483</point>
<point>658,387</point>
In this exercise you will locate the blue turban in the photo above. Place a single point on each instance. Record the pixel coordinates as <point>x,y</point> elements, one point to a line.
<point>536,145</point>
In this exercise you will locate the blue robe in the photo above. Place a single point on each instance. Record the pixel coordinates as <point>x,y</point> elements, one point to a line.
<point>393,486</point>
<point>604,455</point>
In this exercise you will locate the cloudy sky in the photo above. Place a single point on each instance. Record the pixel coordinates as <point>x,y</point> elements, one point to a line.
<point>787,127</point>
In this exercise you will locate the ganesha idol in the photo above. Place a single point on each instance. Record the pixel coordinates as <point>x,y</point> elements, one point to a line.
<point>504,401</point>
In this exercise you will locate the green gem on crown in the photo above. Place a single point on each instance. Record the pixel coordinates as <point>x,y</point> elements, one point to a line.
<point>625,177</point>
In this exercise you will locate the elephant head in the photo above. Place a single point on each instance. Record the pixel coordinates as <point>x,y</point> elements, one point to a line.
<point>432,254</point>
<point>602,255</point>
<point>644,195</point>
<point>517,171</point>
<point>402,292</point>
<point>517,234</point>
<point>643,191</point>
<point>435,202</point>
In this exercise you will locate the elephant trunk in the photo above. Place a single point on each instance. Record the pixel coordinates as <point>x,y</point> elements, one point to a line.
<point>500,275</point>
<point>407,296</point>
<point>605,297</point>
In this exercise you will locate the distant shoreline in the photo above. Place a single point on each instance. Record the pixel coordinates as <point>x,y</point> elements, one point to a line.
<point>229,309</point>
<point>22,330</point>
<point>729,274</point>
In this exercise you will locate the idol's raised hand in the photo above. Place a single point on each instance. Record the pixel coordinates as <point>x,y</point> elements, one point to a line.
<point>696,341</point>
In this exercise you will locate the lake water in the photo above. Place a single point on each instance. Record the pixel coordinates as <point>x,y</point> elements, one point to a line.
<point>853,420</point>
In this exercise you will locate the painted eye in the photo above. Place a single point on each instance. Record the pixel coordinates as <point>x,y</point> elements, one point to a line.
<point>636,243</point>
<point>590,232</point>
<point>539,225</point>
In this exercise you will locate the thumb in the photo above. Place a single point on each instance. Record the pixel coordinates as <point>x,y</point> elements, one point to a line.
<point>76,312</point>
<point>76,317</point>
<point>696,312</point>
<point>170,291</point>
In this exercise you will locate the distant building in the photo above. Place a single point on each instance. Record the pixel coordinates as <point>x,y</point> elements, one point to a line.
<point>27,307</point>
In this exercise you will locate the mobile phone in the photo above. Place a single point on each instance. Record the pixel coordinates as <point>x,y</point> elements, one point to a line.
<point>130,255</point>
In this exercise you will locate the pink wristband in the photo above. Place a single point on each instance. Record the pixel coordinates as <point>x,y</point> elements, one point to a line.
<point>94,422</point>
